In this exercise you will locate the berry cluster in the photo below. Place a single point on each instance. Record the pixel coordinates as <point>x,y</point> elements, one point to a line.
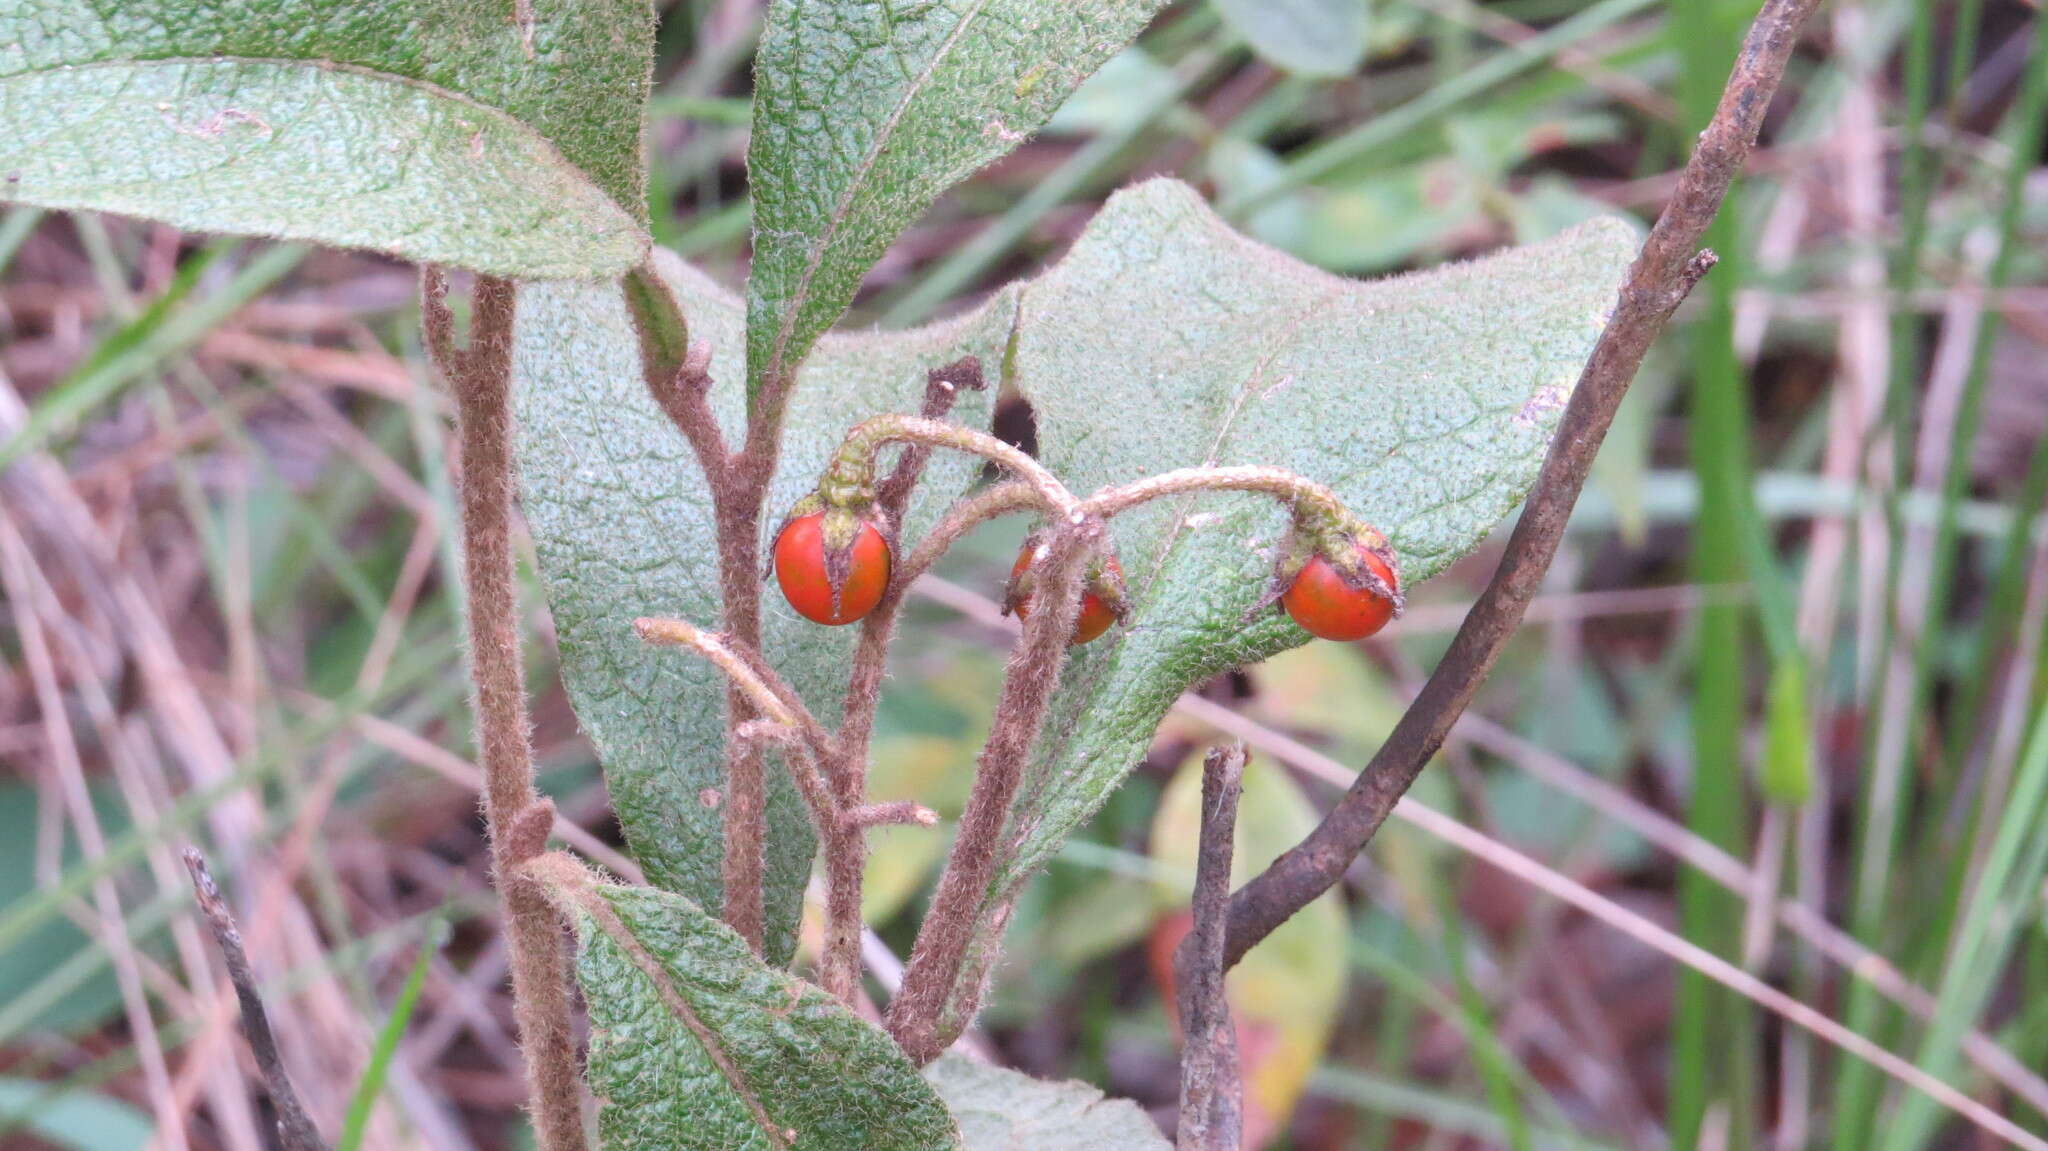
<point>1337,577</point>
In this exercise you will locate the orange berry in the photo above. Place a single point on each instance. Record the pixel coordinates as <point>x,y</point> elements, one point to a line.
<point>1095,617</point>
<point>801,571</point>
<point>1329,608</point>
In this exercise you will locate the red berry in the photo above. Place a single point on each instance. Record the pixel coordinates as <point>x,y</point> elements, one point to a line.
<point>1328,608</point>
<point>1095,617</point>
<point>800,569</point>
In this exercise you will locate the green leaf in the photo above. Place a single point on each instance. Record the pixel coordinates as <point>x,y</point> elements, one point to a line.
<point>864,113</point>
<point>1001,1110</point>
<point>1305,37</point>
<point>622,519</point>
<point>1166,340</point>
<point>695,1043</point>
<point>436,130</point>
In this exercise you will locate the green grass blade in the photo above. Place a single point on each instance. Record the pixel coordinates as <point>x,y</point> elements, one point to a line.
<point>1324,158</point>
<point>365,1100</point>
<point>161,331</point>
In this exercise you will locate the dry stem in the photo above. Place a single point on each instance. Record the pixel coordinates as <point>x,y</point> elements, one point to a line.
<point>1663,273</point>
<point>1211,1086</point>
<point>295,1128</point>
<point>480,377</point>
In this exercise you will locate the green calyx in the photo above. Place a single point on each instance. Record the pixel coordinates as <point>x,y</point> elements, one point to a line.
<point>849,480</point>
<point>1324,528</point>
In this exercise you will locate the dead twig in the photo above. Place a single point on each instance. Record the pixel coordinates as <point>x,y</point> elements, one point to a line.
<point>1211,1083</point>
<point>1663,274</point>
<point>294,1127</point>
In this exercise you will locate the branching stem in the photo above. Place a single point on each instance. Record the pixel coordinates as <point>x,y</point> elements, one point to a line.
<point>773,699</point>
<point>846,845</point>
<point>1662,275</point>
<point>1033,674</point>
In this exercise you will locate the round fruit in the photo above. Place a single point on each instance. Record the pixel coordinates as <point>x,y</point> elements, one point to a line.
<point>1095,617</point>
<point>1328,608</point>
<point>800,569</point>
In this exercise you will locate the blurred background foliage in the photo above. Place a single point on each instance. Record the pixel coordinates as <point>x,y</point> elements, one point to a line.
<point>1781,699</point>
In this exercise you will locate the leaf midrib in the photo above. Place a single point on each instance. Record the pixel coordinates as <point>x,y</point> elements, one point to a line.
<point>841,211</point>
<point>601,912</point>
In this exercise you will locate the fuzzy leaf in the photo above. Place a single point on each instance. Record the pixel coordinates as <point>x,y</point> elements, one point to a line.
<point>695,1043</point>
<point>622,518</point>
<point>1003,1110</point>
<point>864,113</point>
<point>1166,340</point>
<point>423,128</point>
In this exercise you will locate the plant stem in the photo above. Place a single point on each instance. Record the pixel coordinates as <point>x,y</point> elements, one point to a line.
<point>295,1129</point>
<point>1211,1083</point>
<point>846,845</point>
<point>1279,483</point>
<point>774,702</point>
<point>517,818</point>
<point>1661,277</point>
<point>949,926</point>
<point>965,516</point>
<point>851,476</point>
<point>739,485</point>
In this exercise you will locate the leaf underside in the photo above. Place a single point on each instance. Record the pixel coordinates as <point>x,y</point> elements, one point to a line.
<point>695,1043</point>
<point>623,522</point>
<point>865,113</point>
<point>1165,340</point>
<point>1162,340</point>
<point>1003,1110</point>
<point>422,128</point>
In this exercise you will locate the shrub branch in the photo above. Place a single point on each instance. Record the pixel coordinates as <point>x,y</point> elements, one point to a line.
<point>295,1128</point>
<point>1663,274</point>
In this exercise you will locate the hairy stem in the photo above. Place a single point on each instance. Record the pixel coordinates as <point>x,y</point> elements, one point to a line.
<point>1661,277</point>
<point>846,847</point>
<point>1279,483</point>
<point>739,485</point>
<point>774,701</point>
<point>1033,674</point>
<point>480,377</point>
<point>851,476</point>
